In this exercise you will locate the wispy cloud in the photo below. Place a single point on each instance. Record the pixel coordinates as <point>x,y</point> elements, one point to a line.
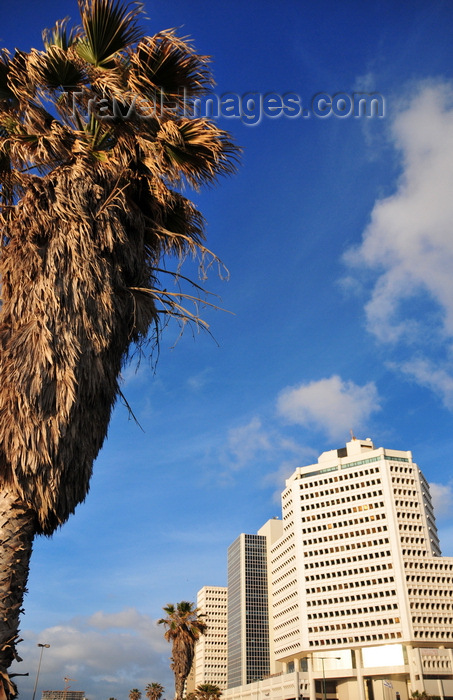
<point>246,442</point>
<point>332,405</point>
<point>428,373</point>
<point>196,382</point>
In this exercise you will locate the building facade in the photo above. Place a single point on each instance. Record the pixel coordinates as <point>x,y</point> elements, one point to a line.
<point>248,610</point>
<point>63,695</point>
<point>210,663</point>
<point>359,596</point>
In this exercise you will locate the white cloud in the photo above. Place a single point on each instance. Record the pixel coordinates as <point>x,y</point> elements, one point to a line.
<point>334,405</point>
<point>409,240</point>
<point>105,654</point>
<point>442,497</point>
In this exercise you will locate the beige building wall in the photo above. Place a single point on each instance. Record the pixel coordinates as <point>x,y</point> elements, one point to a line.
<point>210,664</point>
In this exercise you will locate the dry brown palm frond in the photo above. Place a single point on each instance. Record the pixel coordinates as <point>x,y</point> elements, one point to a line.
<point>54,69</point>
<point>166,69</point>
<point>194,150</point>
<point>19,81</point>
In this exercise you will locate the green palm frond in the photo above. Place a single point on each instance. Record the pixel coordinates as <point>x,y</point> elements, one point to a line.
<point>95,140</point>
<point>109,28</point>
<point>59,36</point>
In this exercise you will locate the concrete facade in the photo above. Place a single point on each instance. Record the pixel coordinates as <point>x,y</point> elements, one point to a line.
<point>360,598</point>
<point>210,664</point>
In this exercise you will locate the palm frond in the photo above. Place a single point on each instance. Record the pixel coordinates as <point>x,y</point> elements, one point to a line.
<point>59,36</point>
<point>195,149</point>
<point>7,96</point>
<point>53,69</point>
<point>167,67</point>
<point>109,28</point>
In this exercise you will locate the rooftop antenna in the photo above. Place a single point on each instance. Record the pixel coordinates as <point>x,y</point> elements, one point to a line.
<point>353,437</point>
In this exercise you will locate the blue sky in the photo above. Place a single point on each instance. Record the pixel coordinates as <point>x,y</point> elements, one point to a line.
<point>337,235</point>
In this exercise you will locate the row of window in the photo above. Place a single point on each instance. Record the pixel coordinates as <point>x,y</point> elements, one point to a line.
<point>442,566</point>
<point>424,592</point>
<point>408,514</point>
<point>344,535</point>
<point>343,489</point>
<point>428,620</point>
<point>351,560</point>
<point>283,576</point>
<point>357,611</point>
<point>351,584</point>
<point>410,527</point>
<point>342,476</point>
<point>285,611</point>
<point>351,572</point>
<point>283,588</point>
<point>283,564</point>
<point>286,623</point>
<point>430,605</point>
<point>347,523</point>
<point>358,639</point>
<point>353,625</point>
<point>429,579</point>
<point>343,511</point>
<point>283,553</point>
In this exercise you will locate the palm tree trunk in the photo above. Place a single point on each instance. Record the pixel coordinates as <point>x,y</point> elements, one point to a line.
<point>17,530</point>
<point>180,682</point>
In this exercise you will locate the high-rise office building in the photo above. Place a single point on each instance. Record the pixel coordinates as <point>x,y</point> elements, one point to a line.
<point>360,598</point>
<point>210,663</point>
<point>248,610</point>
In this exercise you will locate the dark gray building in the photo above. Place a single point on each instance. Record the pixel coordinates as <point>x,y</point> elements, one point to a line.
<point>248,617</point>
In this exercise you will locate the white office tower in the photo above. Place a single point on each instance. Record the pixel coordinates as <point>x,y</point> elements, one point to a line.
<point>361,597</point>
<point>210,663</point>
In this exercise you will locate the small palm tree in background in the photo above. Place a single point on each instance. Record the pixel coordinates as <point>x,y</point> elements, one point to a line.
<point>207,691</point>
<point>184,625</point>
<point>135,694</point>
<point>154,691</point>
<point>91,203</point>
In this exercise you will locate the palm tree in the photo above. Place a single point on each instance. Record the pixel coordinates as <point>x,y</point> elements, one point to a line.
<point>184,625</point>
<point>135,694</point>
<point>91,206</point>
<point>154,691</point>
<point>207,691</point>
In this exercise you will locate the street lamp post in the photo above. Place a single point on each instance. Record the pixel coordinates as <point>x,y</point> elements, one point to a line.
<point>326,658</point>
<point>43,646</point>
